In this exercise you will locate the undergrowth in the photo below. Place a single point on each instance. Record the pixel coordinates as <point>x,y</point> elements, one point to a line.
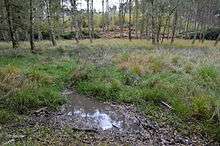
<point>133,72</point>
<point>31,82</point>
<point>191,89</point>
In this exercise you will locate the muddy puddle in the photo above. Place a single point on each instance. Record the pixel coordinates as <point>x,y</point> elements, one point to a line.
<point>114,123</point>
<point>87,113</point>
<point>90,122</point>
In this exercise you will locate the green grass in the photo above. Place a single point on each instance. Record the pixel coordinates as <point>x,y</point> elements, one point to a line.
<point>190,88</point>
<point>116,70</point>
<point>33,81</point>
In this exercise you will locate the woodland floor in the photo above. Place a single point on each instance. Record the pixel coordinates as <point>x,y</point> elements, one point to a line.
<point>110,92</point>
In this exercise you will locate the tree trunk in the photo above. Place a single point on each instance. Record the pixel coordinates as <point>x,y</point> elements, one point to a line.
<point>153,24</point>
<point>107,15</point>
<point>195,35</point>
<point>92,18</point>
<point>130,7</point>
<point>10,24</point>
<point>89,21</point>
<point>52,37</point>
<point>121,19</point>
<point>103,15</point>
<point>136,18</point>
<point>174,26</point>
<point>63,16</point>
<point>195,22</point>
<point>159,30</point>
<point>75,19</point>
<point>187,28</point>
<point>31,28</point>
<point>165,28</point>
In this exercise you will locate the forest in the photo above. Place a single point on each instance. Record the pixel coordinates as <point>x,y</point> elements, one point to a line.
<point>110,72</point>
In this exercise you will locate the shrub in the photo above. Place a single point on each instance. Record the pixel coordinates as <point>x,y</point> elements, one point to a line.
<point>202,107</point>
<point>208,73</point>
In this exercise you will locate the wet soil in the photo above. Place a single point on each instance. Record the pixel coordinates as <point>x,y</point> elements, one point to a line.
<point>113,123</point>
<point>90,122</point>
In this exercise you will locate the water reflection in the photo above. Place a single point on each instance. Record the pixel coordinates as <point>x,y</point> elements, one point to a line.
<point>100,119</point>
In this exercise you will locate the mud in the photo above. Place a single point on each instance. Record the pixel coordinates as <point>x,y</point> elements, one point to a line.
<point>86,121</point>
<point>114,123</point>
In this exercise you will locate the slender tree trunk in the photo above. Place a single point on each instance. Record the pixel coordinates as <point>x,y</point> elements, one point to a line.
<point>63,16</point>
<point>195,22</point>
<point>103,15</point>
<point>159,29</point>
<point>187,29</point>
<point>31,28</point>
<point>195,35</point>
<point>136,18</point>
<point>165,28</point>
<point>52,37</point>
<point>121,19</point>
<point>153,24</point>
<point>107,15</point>
<point>89,21</point>
<point>76,21</point>
<point>147,31</point>
<point>130,7</point>
<point>10,24</point>
<point>174,26</point>
<point>92,19</point>
<point>168,30</point>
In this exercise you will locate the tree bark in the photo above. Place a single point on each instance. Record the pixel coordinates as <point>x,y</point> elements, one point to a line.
<point>31,28</point>
<point>75,19</point>
<point>136,18</point>
<point>159,29</point>
<point>89,21</point>
<point>174,26</point>
<point>92,18</point>
<point>130,7</point>
<point>52,37</point>
<point>153,24</point>
<point>103,15</point>
<point>195,22</point>
<point>10,24</point>
<point>107,15</point>
<point>165,28</point>
<point>63,16</point>
<point>121,18</point>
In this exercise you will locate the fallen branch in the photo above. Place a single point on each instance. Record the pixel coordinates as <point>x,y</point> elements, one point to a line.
<point>167,105</point>
<point>85,130</point>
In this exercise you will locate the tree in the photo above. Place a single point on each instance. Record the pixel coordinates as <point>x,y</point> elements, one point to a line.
<point>31,27</point>
<point>48,4</point>
<point>11,25</point>
<point>175,19</point>
<point>75,19</point>
<point>103,15</point>
<point>89,21</point>
<point>130,8</point>
<point>107,15</point>
<point>136,18</point>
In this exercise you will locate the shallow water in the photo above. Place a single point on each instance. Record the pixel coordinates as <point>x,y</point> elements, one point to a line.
<point>87,113</point>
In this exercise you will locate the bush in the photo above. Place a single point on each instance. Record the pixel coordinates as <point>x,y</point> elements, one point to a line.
<point>210,34</point>
<point>84,34</point>
<point>202,107</point>
<point>208,73</point>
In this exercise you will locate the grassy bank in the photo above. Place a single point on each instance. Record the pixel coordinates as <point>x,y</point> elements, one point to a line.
<point>29,82</point>
<point>177,83</point>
